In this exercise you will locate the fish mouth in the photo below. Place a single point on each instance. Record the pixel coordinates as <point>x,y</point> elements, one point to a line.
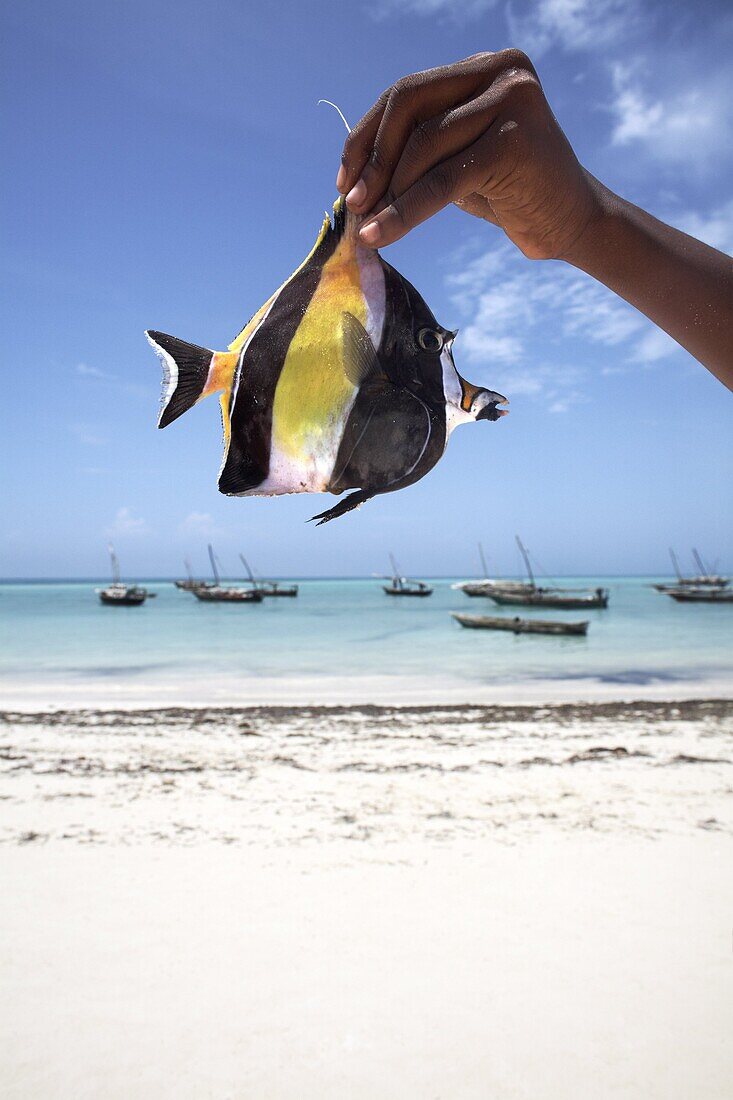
<point>490,409</point>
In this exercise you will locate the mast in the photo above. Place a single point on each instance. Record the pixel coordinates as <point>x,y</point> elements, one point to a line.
<point>525,555</point>
<point>675,563</point>
<point>395,572</point>
<point>187,566</point>
<point>115,564</point>
<point>483,561</point>
<point>214,570</point>
<point>250,574</point>
<point>700,563</point>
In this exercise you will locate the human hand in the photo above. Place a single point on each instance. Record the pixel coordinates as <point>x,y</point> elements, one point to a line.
<point>479,134</point>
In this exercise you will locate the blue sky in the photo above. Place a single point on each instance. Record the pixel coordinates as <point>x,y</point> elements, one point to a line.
<point>170,167</point>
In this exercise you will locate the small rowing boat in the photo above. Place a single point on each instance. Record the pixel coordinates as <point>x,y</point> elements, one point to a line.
<point>519,626</point>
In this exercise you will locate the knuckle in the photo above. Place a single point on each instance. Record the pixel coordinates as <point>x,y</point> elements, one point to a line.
<point>513,58</point>
<point>377,160</point>
<point>439,183</point>
<point>521,87</point>
<point>400,212</point>
<point>403,92</point>
<point>421,140</point>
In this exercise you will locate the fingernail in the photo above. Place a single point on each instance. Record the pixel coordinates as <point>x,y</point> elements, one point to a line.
<point>370,233</point>
<point>357,194</point>
<point>341,179</point>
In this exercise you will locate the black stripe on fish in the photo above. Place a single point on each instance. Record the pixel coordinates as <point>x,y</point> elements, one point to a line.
<point>248,458</point>
<point>396,429</point>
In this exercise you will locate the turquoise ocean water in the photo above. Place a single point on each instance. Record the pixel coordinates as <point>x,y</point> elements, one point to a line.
<point>345,641</point>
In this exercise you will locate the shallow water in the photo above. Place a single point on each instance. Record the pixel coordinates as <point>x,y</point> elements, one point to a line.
<point>346,641</point>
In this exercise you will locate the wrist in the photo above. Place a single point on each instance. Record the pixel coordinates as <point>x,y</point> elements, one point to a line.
<point>601,229</point>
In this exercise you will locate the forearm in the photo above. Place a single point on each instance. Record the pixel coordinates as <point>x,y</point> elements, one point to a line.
<point>683,286</point>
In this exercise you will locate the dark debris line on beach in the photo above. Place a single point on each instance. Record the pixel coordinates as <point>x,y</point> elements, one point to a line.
<point>686,709</point>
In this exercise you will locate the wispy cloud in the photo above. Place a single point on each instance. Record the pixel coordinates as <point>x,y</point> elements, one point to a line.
<point>126,524</point>
<point>459,11</point>
<point>539,25</point>
<point>90,372</point>
<point>88,434</point>
<point>677,125</point>
<point>524,320</point>
<point>199,525</point>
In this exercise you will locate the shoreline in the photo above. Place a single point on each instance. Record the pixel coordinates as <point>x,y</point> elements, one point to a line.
<point>653,709</point>
<point>379,690</point>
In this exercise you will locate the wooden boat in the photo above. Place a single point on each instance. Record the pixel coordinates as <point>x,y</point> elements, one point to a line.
<point>190,582</point>
<point>487,585</point>
<point>119,594</point>
<point>701,595</point>
<point>227,594</point>
<point>704,579</point>
<point>568,599</point>
<point>269,588</point>
<point>547,597</point>
<point>404,586</point>
<point>221,593</point>
<point>520,626</point>
<point>274,588</point>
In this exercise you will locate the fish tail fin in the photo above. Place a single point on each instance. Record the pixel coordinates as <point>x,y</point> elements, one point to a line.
<point>187,374</point>
<point>355,500</point>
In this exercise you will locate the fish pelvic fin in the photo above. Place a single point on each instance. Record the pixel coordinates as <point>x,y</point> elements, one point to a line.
<point>354,500</point>
<point>189,374</point>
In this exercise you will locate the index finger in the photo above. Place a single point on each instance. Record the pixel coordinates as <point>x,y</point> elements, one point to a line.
<point>359,143</point>
<point>374,146</point>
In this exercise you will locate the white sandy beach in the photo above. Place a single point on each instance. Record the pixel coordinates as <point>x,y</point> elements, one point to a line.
<point>446,903</point>
<point>339,690</point>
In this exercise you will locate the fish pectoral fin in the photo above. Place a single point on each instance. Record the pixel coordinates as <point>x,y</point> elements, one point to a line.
<point>360,359</point>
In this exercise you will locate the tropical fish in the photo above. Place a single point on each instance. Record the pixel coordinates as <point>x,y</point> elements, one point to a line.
<point>342,380</point>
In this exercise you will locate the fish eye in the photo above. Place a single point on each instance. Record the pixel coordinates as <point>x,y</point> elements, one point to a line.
<point>430,340</point>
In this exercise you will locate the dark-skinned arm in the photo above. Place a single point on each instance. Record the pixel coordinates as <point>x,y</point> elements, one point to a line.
<point>481,134</point>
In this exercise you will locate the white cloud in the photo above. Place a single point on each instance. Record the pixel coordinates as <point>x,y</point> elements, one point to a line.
<point>682,125</point>
<point>653,346</point>
<point>88,434</point>
<point>538,25</point>
<point>125,523</point>
<point>459,10</point>
<point>90,372</point>
<point>521,318</point>
<point>199,525</point>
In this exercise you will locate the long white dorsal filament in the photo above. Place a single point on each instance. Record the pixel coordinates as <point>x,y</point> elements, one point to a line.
<point>339,111</point>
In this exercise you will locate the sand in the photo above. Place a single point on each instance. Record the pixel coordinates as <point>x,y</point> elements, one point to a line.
<point>453,903</point>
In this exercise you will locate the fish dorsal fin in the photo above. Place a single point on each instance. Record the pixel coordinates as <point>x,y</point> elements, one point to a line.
<point>360,359</point>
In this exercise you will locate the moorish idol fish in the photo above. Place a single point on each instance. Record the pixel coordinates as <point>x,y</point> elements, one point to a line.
<point>342,380</point>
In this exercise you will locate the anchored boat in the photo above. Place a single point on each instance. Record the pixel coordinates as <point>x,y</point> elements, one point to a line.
<point>269,588</point>
<point>221,593</point>
<point>568,599</point>
<point>119,594</point>
<point>519,626</point>
<point>701,595</point>
<point>404,586</point>
<point>704,579</point>
<point>487,585</point>
<point>190,582</point>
